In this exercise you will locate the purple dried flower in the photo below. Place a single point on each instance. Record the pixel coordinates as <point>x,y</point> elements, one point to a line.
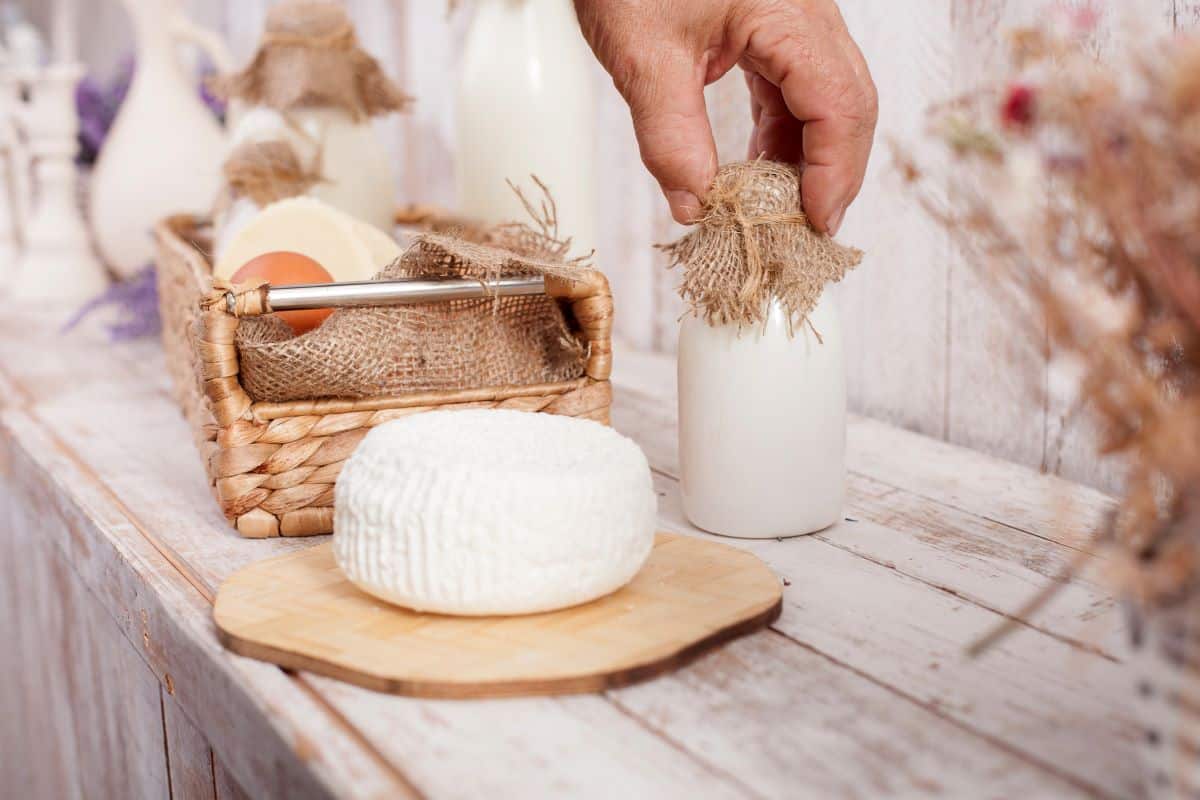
<point>135,302</point>
<point>98,105</point>
<point>216,105</point>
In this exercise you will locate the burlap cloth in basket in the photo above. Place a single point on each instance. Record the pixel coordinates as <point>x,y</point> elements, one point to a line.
<point>462,344</point>
<point>753,243</point>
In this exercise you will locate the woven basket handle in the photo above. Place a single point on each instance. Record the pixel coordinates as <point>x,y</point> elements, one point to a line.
<point>592,306</point>
<point>588,295</point>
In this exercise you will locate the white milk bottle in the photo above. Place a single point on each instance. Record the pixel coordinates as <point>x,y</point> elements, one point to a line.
<point>762,375</point>
<point>524,107</point>
<point>762,424</point>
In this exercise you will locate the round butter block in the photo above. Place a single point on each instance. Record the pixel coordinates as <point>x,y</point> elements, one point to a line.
<point>493,512</point>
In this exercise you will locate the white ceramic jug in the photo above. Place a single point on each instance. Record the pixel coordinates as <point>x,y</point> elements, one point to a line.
<point>762,424</point>
<point>524,107</point>
<point>164,152</point>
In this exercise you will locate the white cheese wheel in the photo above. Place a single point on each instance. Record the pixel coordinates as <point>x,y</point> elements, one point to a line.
<point>303,225</point>
<point>384,249</point>
<point>493,512</point>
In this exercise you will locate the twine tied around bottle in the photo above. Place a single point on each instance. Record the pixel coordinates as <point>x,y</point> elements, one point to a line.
<point>753,243</point>
<point>343,38</point>
<point>309,57</point>
<point>267,172</point>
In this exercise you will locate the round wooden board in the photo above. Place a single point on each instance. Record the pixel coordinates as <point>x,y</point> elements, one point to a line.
<point>300,612</point>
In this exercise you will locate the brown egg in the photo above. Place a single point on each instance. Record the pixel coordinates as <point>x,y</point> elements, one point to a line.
<point>288,269</point>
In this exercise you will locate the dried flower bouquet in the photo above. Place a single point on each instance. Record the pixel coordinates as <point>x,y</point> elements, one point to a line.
<point>1075,187</point>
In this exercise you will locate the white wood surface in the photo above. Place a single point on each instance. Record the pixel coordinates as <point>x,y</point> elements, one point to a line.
<point>861,689</point>
<point>82,716</point>
<point>191,767</point>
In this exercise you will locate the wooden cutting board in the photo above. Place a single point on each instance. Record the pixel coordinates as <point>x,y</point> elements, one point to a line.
<point>299,611</point>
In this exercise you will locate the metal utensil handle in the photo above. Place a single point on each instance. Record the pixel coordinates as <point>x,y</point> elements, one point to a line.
<point>396,293</point>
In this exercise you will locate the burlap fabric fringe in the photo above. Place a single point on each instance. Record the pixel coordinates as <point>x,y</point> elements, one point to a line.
<point>267,172</point>
<point>310,57</point>
<point>754,243</point>
<point>372,352</point>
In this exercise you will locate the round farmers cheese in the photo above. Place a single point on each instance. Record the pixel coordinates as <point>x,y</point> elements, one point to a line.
<point>347,248</point>
<point>493,512</point>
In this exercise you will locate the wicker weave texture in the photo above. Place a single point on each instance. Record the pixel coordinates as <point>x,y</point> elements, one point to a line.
<point>273,465</point>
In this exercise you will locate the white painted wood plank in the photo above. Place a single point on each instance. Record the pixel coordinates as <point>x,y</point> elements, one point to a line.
<point>539,747</point>
<point>797,724</point>
<point>1031,692</point>
<point>428,69</point>
<point>985,561</point>
<point>243,26</point>
<point>1185,14</point>
<point>36,736</point>
<point>997,367</point>
<point>189,758</point>
<point>986,486</point>
<point>979,571</point>
<point>628,203</point>
<point>982,561</point>
<point>92,719</point>
<point>1045,505</point>
<point>228,788</point>
<point>894,306</point>
<point>234,701</point>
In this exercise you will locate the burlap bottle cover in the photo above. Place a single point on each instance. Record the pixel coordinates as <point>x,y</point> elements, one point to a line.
<point>310,57</point>
<point>264,173</point>
<point>267,172</point>
<point>754,243</point>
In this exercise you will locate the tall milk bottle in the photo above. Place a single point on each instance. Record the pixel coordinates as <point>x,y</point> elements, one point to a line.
<point>524,107</point>
<point>762,424</point>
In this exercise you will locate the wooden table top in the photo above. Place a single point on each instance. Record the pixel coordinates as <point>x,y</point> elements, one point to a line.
<point>862,688</point>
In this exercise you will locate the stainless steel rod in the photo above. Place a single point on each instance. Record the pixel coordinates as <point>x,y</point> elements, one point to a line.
<point>396,293</point>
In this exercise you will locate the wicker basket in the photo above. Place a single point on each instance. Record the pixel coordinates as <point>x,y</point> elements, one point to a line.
<point>273,465</point>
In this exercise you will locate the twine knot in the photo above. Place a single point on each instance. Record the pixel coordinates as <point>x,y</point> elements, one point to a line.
<point>753,243</point>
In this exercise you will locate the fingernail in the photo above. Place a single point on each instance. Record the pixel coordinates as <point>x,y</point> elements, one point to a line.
<point>684,204</point>
<point>835,223</point>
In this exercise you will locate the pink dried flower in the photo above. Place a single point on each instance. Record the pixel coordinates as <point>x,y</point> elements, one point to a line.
<point>1020,106</point>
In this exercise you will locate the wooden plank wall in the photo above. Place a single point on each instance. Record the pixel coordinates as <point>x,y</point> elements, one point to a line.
<point>927,348</point>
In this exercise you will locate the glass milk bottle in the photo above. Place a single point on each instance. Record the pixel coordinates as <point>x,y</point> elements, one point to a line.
<point>762,424</point>
<point>524,107</point>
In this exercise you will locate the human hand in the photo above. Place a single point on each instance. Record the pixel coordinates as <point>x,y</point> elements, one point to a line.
<point>812,99</point>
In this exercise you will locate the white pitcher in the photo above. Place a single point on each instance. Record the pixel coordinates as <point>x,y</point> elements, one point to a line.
<point>164,152</point>
<point>524,107</point>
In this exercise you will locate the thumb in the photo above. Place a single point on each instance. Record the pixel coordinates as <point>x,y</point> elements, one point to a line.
<point>666,99</point>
